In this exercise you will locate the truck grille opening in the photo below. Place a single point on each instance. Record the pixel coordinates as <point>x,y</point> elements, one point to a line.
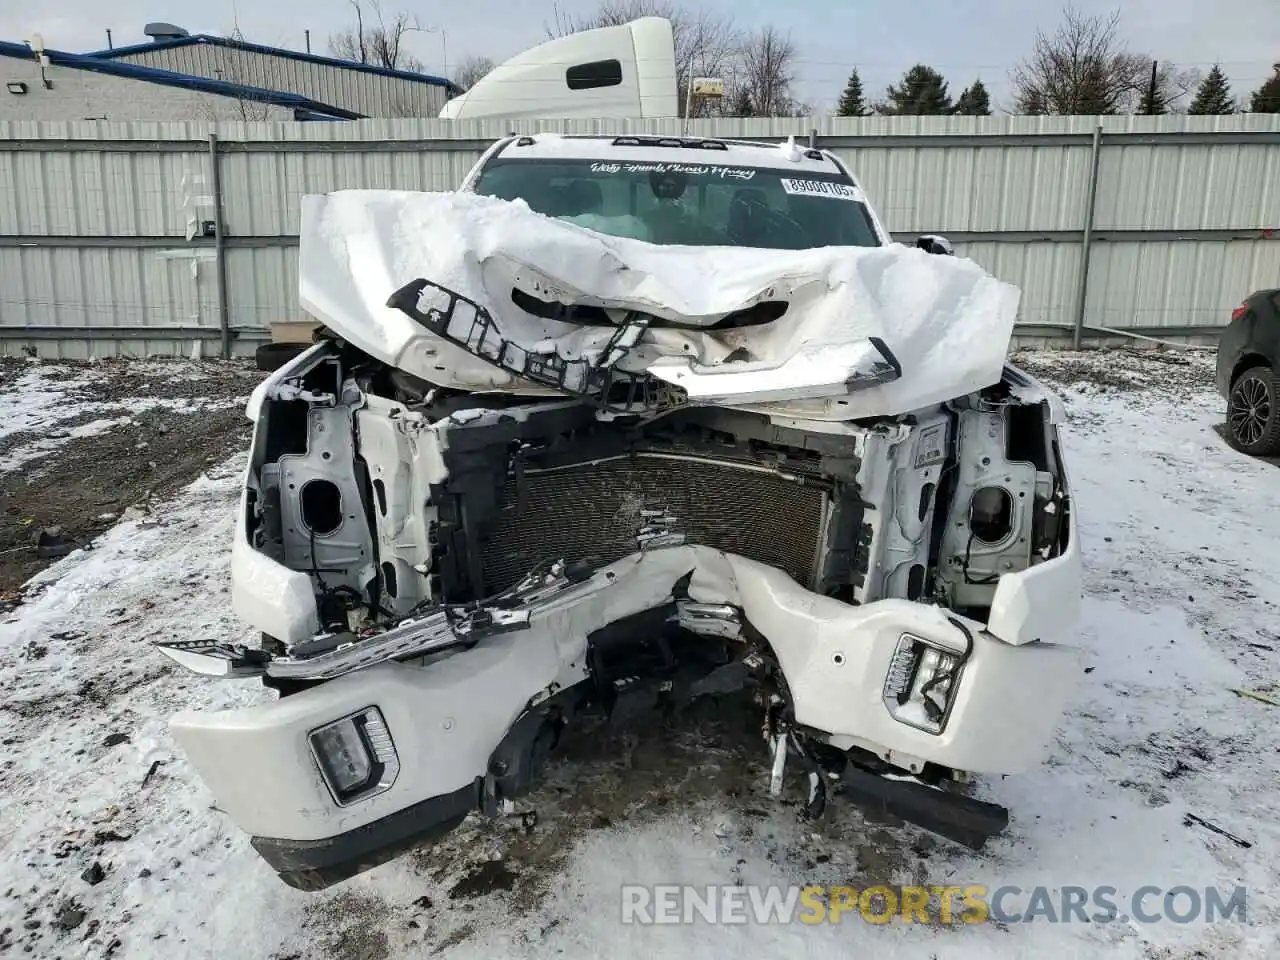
<point>594,511</point>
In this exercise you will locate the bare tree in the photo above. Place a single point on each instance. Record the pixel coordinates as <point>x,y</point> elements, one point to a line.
<point>1081,69</point>
<point>235,67</point>
<point>768,71</point>
<point>706,44</point>
<point>470,70</point>
<point>1172,90</point>
<point>737,102</point>
<point>379,41</point>
<point>214,108</point>
<point>1182,87</point>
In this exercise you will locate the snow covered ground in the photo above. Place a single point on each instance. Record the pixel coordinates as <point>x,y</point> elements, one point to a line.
<point>111,846</point>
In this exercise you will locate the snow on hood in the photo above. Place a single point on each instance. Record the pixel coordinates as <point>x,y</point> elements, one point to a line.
<point>945,320</point>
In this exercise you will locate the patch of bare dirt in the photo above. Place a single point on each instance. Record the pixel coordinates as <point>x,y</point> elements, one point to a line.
<point>354,927</point>
<point>1122,370</point>
<point>83,487</point>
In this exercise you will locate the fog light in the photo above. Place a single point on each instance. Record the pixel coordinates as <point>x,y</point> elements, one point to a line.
<point>355,755</point>
<point>921,684</point>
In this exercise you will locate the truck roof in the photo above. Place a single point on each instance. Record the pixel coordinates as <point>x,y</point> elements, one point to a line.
<point>649,148</point>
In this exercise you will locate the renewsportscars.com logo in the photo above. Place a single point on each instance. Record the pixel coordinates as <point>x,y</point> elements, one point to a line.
<point>974,903</point>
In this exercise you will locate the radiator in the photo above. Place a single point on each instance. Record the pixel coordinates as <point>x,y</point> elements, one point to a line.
<point>594,511</point>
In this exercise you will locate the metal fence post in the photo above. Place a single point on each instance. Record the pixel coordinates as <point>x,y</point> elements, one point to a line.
<point>219,250</point>
<point>1086,237</point>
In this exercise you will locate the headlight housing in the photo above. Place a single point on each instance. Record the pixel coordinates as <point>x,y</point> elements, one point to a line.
<point>921,684</point>
<point>356,756</point>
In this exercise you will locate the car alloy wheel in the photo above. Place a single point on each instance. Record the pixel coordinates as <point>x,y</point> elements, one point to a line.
<point>1250,409</point>
<point>1253,419</point>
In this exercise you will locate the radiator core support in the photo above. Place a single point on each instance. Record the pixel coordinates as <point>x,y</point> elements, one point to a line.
<point>558,483</point>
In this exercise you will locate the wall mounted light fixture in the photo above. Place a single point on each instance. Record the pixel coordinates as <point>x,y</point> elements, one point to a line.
<point>16,87</point>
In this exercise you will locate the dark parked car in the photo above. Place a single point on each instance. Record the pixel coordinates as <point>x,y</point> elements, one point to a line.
<point>1249,374</point>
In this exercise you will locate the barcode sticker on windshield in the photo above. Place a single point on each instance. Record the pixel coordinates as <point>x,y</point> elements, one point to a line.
<point>821,188</point>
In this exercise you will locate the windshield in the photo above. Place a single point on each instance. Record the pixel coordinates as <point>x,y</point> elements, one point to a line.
<point>688,203</point>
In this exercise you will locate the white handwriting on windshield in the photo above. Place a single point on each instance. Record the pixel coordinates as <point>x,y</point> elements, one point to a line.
<point>689,169</point>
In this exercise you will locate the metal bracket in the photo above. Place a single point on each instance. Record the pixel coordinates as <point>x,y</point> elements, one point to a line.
<point>212,659</point>
<point>331,655</point>
<point>598,384</point>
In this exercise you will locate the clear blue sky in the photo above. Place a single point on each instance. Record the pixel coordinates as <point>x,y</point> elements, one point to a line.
<point>963,39</point>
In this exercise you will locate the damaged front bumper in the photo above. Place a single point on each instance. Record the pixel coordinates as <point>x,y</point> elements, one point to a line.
<point>847,573</point>
<point>463,692</point>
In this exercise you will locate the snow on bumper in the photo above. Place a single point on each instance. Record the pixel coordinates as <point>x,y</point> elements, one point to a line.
<point>945,319</point>
<point>446,716</point>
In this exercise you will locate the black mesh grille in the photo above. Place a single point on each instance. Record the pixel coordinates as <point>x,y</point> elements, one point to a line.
<point>593,512</point>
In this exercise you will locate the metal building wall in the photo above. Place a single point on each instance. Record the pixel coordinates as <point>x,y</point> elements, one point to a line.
<point>363,92</point>
<point>94,255</point>
<point>74,94</point>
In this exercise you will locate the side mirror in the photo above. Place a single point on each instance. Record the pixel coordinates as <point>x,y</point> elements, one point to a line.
<point>932,243</point>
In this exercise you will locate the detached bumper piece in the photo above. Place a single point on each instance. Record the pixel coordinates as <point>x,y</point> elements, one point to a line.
<point>332,655</point>
<point>316,864</point>
<point>958,818</point>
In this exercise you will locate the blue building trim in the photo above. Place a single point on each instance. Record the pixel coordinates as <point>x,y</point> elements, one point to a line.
<point>168,78</point>
<point>451,88</point>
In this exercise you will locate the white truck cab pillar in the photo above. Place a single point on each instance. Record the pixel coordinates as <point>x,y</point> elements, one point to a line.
<point>627,71</point>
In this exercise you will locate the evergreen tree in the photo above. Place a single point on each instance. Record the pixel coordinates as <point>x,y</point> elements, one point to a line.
<point>974,101</point>
<point>1153,103</point>
<point>740,104</point>
<point>1266,99</point>
<point>922,92</point>
<point>852,103</point>
<point>1094,95</point>
<point>1213,96</point>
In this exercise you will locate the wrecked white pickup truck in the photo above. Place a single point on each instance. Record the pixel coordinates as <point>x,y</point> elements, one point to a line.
<point>626,419</point>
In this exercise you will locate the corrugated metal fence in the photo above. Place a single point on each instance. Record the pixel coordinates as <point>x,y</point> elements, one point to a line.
<point>108,243</point>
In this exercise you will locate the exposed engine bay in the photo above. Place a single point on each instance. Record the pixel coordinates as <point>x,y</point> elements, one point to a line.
<point>872,584</point>
<point>394,495</point>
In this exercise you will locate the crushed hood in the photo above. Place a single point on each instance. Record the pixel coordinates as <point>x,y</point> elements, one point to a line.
<point>834,333</point>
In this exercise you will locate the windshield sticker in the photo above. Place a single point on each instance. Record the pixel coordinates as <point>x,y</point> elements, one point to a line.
<point>689,169</point>
<point>821,188</point>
